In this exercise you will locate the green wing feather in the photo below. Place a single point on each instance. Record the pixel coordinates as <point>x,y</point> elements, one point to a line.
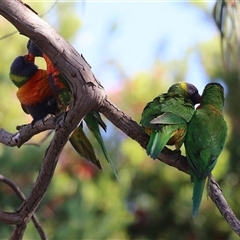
<point>158,140</point>
<point>173,104</point>
<point>204,142</point>
<point>83,147</point>
<point>164,116</point>
<point>93,120</point>
<point>168,118</point>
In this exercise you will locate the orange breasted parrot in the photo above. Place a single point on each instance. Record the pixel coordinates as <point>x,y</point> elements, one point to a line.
<point>165,118</point>
<point>37,98</point>
<point>206,135</point>
<point>34,92</point>
<point>62,91</point>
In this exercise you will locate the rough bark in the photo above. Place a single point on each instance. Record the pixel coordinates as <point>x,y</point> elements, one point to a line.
<point>88,94</point>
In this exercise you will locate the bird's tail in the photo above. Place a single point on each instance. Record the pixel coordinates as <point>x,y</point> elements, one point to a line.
<point>93,121</point>
<point>198,187</point>
<point>83,146</point>
<point>158,140</point>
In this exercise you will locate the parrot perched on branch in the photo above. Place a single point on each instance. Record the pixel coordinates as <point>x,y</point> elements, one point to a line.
<point>205,138</point>
<point>34,92</point>
<point>63,95</point>
<point>165,118</point>
<point>37,98</point>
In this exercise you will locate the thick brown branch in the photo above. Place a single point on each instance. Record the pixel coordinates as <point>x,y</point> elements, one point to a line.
<point>20,229</point>
<point>88,94</point>
<point>18,232</point>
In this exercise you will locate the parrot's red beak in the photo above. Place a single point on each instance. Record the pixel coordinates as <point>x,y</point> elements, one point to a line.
<point>31,57</point>
<point>26,57</point>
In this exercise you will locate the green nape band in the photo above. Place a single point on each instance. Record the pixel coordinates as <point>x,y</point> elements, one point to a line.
<point>18,81</point>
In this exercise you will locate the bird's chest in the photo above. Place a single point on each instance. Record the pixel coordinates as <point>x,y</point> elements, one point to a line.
<point>177,137</point>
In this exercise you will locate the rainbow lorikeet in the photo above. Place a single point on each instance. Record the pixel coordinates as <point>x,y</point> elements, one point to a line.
<point>206,135</point>
<point>36,98</point>
<point>63,94</point>
<point>165,118</point>
<point>34,93</point>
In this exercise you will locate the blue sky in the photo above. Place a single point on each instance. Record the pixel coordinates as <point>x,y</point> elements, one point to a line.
<point>143,31</point>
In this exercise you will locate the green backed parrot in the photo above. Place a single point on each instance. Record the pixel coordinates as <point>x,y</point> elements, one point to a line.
<point>165,118</point>
<point>206,135</point>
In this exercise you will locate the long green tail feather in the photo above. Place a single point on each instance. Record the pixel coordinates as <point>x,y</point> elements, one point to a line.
<point>97,117</point>
<point>93,125</point>
<point>198,187</point>
<point>83,147</point>
<point>157,142</point>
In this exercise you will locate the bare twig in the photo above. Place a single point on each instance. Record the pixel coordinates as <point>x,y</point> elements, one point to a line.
<point>89,94</point>
<point>21,195</point>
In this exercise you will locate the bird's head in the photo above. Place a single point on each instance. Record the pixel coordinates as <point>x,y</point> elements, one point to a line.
<point>213,94</point>
<point>187,90</point>
<point>33,50</point>
<point>21,70</point>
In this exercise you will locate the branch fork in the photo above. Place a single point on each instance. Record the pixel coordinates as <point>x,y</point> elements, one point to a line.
<point>88,95</point>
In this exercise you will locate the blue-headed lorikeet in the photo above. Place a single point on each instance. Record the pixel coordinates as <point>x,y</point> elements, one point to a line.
<point>37,98</point>
<point>63,95</point>
<point>165,118</point>
<point>34,93</point>
<point>206,135</point>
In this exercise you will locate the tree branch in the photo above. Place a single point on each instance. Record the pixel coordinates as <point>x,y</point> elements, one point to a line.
<point>17,232</point>
<point>215,193</point>
<point>26,132</point>
<point>88,94</point>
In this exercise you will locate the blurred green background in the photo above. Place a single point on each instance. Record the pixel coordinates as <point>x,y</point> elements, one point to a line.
<point>151,200</point>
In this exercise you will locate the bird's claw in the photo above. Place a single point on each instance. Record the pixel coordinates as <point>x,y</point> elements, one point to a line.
<point>59,120</point>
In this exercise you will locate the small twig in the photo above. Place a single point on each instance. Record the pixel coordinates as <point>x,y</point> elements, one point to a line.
<point>20,228</point>
<point>40,142</point>
<point>45,138</point>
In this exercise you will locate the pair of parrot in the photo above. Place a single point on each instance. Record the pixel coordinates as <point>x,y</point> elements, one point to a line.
<point>171,119</point>
<point>42,92</point>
